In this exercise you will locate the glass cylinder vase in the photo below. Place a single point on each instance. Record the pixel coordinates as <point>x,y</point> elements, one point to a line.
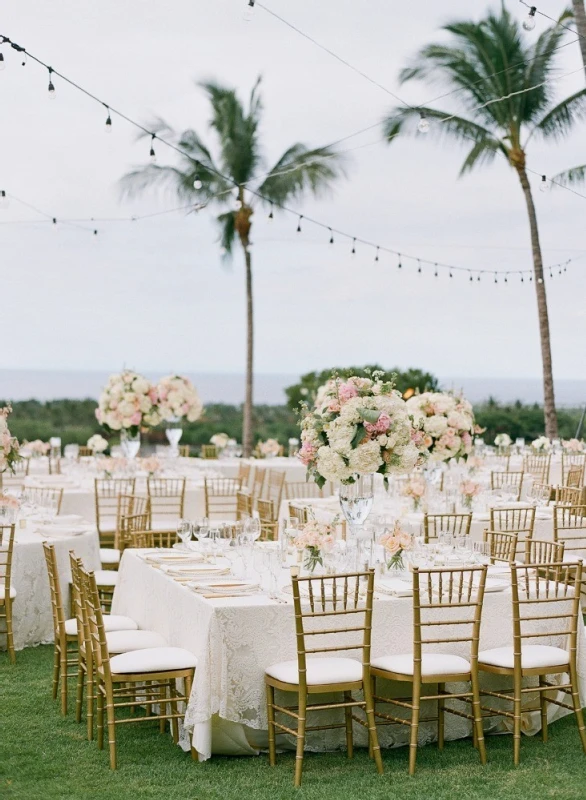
<point>130,443</point>
<point>356,501</point>
<point>174,432</point>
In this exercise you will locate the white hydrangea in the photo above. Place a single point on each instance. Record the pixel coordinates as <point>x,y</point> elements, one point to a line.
<point>366,458</point>
<point>331,465</point>
<point>435,426</point>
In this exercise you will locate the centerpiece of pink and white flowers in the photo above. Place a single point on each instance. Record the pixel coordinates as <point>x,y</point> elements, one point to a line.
<point>269,449</point>
<point>315,539</point>
<point>151,465</point>
<point>573,445</point>
<point>541,445</point>
<point>110,466</point>
<point>97,444</point>
<point>447,421</point>
<point>128,403</point>
<point>360,426</point>
<point>36,448</point>
<point>9,447</point>
<point>396,543</point>
<point>178,399</point>
<point>415,489</point>
<point>8,508</point>
<point>503,440</point>
<point>220,441</point>
<point>469,490</point>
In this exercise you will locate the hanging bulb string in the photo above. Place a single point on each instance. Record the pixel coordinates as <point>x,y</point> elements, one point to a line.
<point>536,10</point>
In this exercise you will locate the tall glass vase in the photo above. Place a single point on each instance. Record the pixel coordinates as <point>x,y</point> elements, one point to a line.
<point>130,443</point>
<point>173,432</point>
<point>356,501</point>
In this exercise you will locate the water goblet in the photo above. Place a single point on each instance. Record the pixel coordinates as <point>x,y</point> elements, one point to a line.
<point>184,532</point>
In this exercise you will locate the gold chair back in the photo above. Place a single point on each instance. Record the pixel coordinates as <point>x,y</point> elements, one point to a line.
<point>221,497</point>
<point>85,451</point>
<point>128,505</point>
<point>54,465</point>
<point>502,546</point>
<point>511,481</point>
<point>573,466</point>
<point>299,513</point>
<point>302,489</point>
<point>135,530</point>
<point>436,524</point>
<point>541,492</point>
<point>274,486</point>
<point>42,496</point>
<point>540,551</point>
<point>184,451</point>
<point>244,473</point>
<point>258,482</point>
<point>106,492</point>
<point>167,498</point>
<point>57,608</point>
<point>6,553</point>
<point>209,451</point>
<point>569,527</point>
<point>269,524</point>
<point>538,465</point>
<point>569,496</point>
<point>243,505</point>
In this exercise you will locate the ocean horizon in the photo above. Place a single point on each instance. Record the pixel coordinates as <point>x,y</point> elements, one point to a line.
<point>42,385</point>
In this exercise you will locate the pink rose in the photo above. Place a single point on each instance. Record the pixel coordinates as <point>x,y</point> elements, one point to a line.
<point>333,406</point>
<point>136,418</point>
<point>347,391</point>
<point>380,426</point>
<point>307,453</point>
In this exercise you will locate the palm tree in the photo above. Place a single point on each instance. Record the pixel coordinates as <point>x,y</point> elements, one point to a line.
<point>482,62</point>
<point>579,13</point>
<point>237,183</point>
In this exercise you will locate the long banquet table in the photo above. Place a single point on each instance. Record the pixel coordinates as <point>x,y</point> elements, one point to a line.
<point>236,639</point>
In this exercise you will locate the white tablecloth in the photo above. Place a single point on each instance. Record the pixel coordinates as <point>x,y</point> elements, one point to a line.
<point>293,468</point>
<point>33,621</point>
<point>236,639</point>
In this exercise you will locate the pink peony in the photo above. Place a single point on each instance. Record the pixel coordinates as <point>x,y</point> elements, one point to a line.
<point>347,391</point>
<point>307,453</point>
<point>136,418</point>
<point>333,406</point>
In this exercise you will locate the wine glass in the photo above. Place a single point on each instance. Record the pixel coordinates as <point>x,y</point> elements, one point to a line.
<point>184,532</point>
<point>252,529</point>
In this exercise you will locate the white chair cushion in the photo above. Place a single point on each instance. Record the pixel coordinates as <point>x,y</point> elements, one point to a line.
<point>112,622</point>
<point>319,671</point>
<point>532,655</point>
<point>106,577</point>
<point>109,555</point>
<point>126,641</point>
<point>165,524</point>
<point>3,594</point>
<point>161,659</point>
<point>431,664</point>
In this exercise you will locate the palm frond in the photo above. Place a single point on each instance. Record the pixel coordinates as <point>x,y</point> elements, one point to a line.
<point>227,223</point>
<point>483,152</point>
<point>156,125</point>
<point>154,176</point>
<point>560,120</point>
<point>300,169</point>
<point>405,120</point>
<point>576,176</point>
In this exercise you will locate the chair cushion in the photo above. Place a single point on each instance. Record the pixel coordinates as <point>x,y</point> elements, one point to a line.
<point>161,659</point>
<point>165,524</point>
<point>112,622</point>
<point>126,641</point>
<point>109,555</point>
<point>319,671</point>
<point>431,664</point>
<point>3,594</point>
<point>532,655</point>
<point>106,577</point>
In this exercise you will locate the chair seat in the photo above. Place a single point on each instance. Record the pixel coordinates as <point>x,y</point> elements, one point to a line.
<point>3,592</point>
<point>106,577</point>
<point>109,555</point>
<point>319,671</point>
<point>532,656</point>
<point>160,659</point>
<point>112,622</point>
<point>431,664</point>
<point>126,641</point>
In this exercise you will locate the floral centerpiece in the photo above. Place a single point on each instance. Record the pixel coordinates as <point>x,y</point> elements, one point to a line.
<point>128,403</point>
<point>396,543</point>
<point>314,540</point>
<point>36,448</point>
<point>503,440</point>
<point>97,444</point>
<point>8,509</point>
<point>220,441</point>
<point>541,445</point>
<point>152,465</point>
<point>415,489</point>
<point>573,445</point>
<point>447,422</point>
<point>359,426</point>
<point>269,449</point>
<point>469,490</point>
<point>109,466</point>
<point>178,399</point>
<point>9,447</point>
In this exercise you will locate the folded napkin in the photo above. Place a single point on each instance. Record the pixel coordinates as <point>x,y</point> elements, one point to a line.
<point>224,588</point>
<point>68,518</point>
<point>195,569</point>
<point>495,585</point>
<point>394,586</point>
<point>173,558</point>
<point>49,480</point>
<point>60,531</point>
<point>498,569</point>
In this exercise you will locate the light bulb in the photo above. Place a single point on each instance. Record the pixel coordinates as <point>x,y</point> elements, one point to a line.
<point>223,251</point>
<point>238,204</point>
<point>539,280</point>
<point>529,21</point>
<point>271,215</point>
<point>2,61</point>
<point>197,184</point>
<point>3,199</point>
<point>109,124</point>
<point>51,90</point>
<point>95,236</point>
<point>54,225</point>
<point>543,186</point>
<point>249,11</point>
<point>423,125</point>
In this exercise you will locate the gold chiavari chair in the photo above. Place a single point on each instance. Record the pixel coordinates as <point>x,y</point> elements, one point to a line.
<point>167,502</point>
<point>14,479</point>
<point>434,525</point>
<point>269,523</point>
<point>54,465</point>
<point>500,462</point>
<point>258,482</point>
<point>274,486</point>
<point>436,595</point>
<point>534,588</point>
<point>319,604</point>
<point>243,505</point>
<point>85,451</point>
<point>540,551</point>
<point>569,496</point>
<point>7,591</point>
<point>135,531</point>
<point>220,497</point>
<point>502,546</point>
<point>543,492</point>
<point>129,505</point>
<point>573,464</point>
<point>244,473</point>
<point>302,489</point>
<point>156,670</point>
<point>184,451</point>
<point>209,451</point>
<point>106,493</point>
<point>44,497</point>
<point>503,451</point>
<point>569,527</point>
<point>511,481</point>
<point>299,513</point>
<point>514,520</point>
<point>538,465</point>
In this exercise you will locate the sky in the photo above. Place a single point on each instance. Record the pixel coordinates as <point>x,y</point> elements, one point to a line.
<point>154,295</point>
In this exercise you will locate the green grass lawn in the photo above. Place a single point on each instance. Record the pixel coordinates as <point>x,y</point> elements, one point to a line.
<point>44,755</point>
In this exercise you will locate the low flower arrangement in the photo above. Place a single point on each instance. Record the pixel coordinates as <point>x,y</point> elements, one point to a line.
<point>128,402</point>
<point>573,446</point>
<point>469,490</point>
<point>415,489</point>
<point>178,399</point>
<point>8,507</point>
<point>360,426</point>
<point>97,444</point>
<point>110,466</point>
<point>220,440</point>
<point>152,465</point>
<point>396,543</point>
<point>9,447</point>
<point>36,448</point>
<point>315,539</point>
<point>541,445</point>
<point>503,440</point>
<point>474,463</point>
<point>447,421</point>
<point>269,449</point>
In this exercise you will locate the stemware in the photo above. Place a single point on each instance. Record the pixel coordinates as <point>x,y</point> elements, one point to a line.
<point>356,501</point>
<point>184,531</point>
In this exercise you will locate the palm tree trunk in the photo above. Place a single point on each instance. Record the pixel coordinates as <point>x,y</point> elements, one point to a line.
<point>580,20</point>
<point>551,423</point>
<point>247,431</point>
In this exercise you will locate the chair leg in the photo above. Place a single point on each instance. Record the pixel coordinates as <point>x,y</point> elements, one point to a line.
<point>110,714</point>
<point>63,656</point>
<point>373,745</point>
<point>162,707</point>
<point>577,705</point>
<point>90,700</point>
<point>414,727</point>
<point>9,631</point>
<point>100,698</point>
<point>56,668</point>
<point>543,708</point>
<point>79,692</point>
<point>301,722</point>
<point>271,717</point>
<point>188,685</point>
<point>441,687</point>
<point>517,719</point>
<point>348,720</point>
<point>174,710</point>
<point>477,712</point>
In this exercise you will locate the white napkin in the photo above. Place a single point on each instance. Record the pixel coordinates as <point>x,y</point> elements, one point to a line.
<point>194,569</point>
<point>394,586</point>
<point>60,531</point>
<point>224,587</point>
<point>173,558</point>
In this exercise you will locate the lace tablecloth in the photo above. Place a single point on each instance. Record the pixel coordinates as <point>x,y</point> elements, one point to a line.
<point>236,639</point>
<point>33,621</point>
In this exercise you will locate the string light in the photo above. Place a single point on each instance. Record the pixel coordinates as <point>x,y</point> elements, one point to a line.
<point>435,274</point>
<point>299,223</point>
<point>539,280</point>
<point>506,281</point>
<point>3,199</point>
<point>95,235</point>
<point>423,124</point>
<point>478,278</point>
<point>376,254</point>
<point>419,266</point>
<point>331,236</point>
<point>2,62</point>
<point>451,276</point>
<point>354,246</point>
<point>55,224</point>
<point>399,265</point>
<point>271,215</point>
<point>51,87</point>
<point>543,186</point>
<point>197,184</point>
<point>471,278</point>
<point>249,11</point>
<point>152,154</point>
<point>496,280</point>
<point>522,279</point>
<point>529,21</point>
<point>108,121</point>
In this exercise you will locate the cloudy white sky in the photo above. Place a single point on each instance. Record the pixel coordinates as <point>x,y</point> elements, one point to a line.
<point>154,295</point>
